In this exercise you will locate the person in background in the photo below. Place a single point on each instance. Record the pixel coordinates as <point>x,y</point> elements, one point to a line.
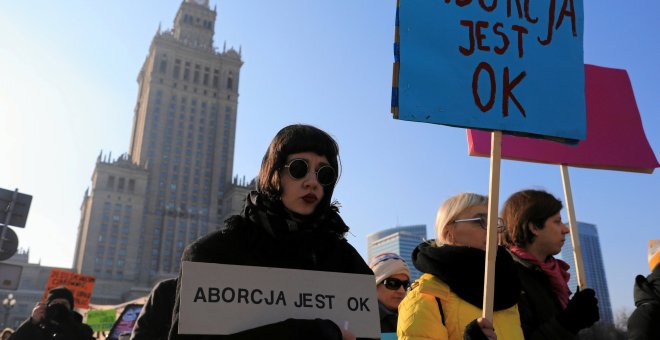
<point>53,320</point>
<point>6,333</point>
<point>446,302</point>
<point>155,318</point>
<point>392,279</point>
<point>534,234</point>
<point>288,222</point>
<point>644,322</point>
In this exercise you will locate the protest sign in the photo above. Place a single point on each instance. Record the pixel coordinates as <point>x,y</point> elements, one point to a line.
<point>246,297</point>
<point>79,284</point>
<point>126,321</point>
<point>101,320</point>
<point>510,66</point>
<point>615,129</point>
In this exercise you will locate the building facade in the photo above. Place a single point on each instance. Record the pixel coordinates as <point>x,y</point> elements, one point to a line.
<point>180,163</point>
<point>594,268</point>
<point>400,240</point>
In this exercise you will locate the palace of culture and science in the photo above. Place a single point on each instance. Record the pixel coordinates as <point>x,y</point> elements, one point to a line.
<point>175,183</point>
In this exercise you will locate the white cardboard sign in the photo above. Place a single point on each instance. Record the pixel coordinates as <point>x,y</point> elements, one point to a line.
<point>225,299</point>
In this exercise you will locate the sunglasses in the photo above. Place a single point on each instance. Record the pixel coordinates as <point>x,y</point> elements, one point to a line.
<point>394,284</point>
<point>483,222</point>
<point>298,169</point>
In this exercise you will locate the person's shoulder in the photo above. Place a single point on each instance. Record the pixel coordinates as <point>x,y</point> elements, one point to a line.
<point>86,331</point>
<point>166,285</point>
<point>429,284</point>
<point>208,246</point>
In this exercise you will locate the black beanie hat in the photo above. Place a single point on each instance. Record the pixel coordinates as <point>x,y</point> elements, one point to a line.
<point>60,292</point>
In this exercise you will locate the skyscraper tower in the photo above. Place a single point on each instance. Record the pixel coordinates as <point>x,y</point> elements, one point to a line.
<point>183,136</point>
<point>399,240</point>
<point>594,269</point>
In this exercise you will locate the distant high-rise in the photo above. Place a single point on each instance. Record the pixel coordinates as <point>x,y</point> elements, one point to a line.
<point>594,269</point>
<point>399,240</point>
<point>172,186</point>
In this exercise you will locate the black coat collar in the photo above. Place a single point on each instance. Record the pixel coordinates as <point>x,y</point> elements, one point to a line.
<point>462,268</point>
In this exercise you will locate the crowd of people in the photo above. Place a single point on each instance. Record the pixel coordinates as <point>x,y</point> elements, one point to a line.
<point>291,221</point>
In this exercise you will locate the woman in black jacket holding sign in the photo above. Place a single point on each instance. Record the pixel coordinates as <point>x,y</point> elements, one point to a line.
<point>289,222</point>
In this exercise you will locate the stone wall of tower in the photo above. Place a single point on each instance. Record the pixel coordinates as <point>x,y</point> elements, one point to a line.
<point>108,246</point>
<point>185,123</point>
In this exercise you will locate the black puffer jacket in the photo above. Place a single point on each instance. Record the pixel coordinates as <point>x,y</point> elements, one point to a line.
<point>644,323</point>
<point>538,304</point>
<point>267,235</point>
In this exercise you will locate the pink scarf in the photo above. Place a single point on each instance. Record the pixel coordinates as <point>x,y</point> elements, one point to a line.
<point>555,269</point>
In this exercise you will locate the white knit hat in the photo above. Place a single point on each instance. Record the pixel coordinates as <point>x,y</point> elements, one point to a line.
<point>388,264</point>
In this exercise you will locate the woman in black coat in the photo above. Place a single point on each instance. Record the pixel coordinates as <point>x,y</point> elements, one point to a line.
<point>288,222</point>
<point>534,234</point>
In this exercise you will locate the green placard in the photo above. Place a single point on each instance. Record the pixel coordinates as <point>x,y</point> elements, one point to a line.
<point>101,320</point>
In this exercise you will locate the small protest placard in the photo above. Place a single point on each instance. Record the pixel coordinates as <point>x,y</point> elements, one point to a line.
<point>101,320</point>
<point>79,284</point>
<point>246,297</point>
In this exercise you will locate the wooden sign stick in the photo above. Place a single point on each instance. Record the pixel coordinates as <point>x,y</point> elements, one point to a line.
<point>491,232</point>
<point>575,237</point>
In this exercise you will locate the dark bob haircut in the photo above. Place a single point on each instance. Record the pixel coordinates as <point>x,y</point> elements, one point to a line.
<point>525,207</point>
<point>295,139</point>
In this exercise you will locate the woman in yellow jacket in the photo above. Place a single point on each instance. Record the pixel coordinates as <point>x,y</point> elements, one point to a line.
<point>445,302</point>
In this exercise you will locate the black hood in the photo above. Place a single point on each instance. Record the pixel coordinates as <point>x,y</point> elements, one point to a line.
<point>462,268</point>
<point>647,289</point>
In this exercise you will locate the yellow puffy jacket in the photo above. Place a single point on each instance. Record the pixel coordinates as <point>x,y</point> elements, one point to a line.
<point>419,314</point>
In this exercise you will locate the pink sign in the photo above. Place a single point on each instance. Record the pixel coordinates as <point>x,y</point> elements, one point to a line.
<point>615,135</point>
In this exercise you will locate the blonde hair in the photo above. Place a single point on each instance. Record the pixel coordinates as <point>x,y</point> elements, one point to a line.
<point>451,208</point>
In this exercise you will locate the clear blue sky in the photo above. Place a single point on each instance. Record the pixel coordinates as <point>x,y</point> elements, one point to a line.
<point>68,89</point>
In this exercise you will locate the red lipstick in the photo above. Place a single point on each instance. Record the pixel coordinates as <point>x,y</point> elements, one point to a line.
<point>310,198</point>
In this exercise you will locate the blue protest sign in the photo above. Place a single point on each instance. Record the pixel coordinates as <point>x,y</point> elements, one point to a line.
<point>511,65</point>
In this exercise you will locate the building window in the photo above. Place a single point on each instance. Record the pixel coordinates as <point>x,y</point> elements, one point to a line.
<point>131,185</point>
<point>163,66</point>
<point>230,83</point>
<point>196,75</point>
<point>177,69</point>
<point>120,184</point>
<point>186,72</point>
<point>111,182</point>
<point>215,79</point>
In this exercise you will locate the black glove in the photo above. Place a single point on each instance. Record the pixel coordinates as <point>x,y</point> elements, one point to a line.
<point>581,311</point>
<point>473,332</point>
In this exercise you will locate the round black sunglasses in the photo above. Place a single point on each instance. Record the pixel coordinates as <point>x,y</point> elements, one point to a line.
<point>298,169</point>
